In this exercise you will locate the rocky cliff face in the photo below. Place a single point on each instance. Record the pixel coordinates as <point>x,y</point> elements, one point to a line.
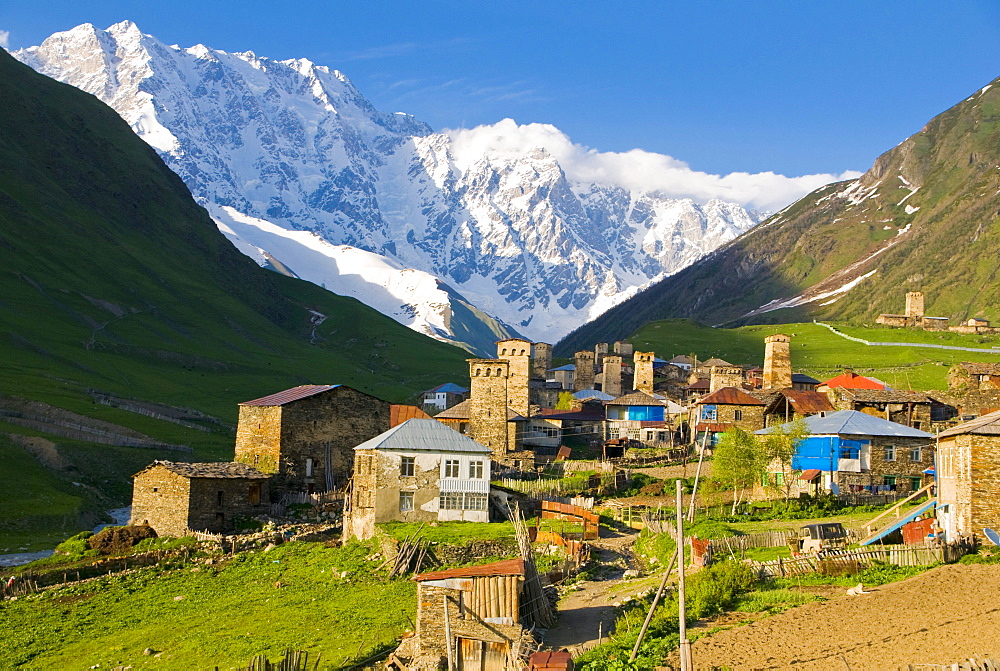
<point>304,174</point>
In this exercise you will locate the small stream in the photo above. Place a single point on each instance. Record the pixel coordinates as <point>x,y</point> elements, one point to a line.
<point>120,516</point>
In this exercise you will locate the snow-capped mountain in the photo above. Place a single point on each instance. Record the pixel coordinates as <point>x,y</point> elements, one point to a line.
<point>302,173</point>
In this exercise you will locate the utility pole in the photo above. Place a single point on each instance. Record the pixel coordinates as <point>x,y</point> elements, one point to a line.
<point>685,647</point>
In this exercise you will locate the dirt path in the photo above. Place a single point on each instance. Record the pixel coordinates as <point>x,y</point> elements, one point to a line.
<point>587,613</point>
<point>943,616</point>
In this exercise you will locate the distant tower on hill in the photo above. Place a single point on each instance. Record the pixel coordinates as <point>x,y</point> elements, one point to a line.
<point>777,362</point>
<point>584,375</point>
<point>915,304</point>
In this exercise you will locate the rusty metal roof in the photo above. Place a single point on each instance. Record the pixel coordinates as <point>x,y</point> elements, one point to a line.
<point>886,396</point>
<point>457,411</point>
<point>711,427</point>
<point>730,396</point>
<point>214,470</point>
<point>293,394</point>
<point>400,413</point>
<point>505,567</point>
<point>808,402</point>
<point>988,425</point>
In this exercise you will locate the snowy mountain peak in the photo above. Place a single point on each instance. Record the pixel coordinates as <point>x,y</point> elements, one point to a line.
<point>301,170</point>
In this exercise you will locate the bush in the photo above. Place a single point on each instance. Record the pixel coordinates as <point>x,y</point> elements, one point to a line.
<point>115,540</point>
<point>75,546</point>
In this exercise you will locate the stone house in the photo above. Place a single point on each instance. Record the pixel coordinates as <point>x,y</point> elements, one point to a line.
<point>174,498</point>
<point>444,396</point>
<point>628,415</point>
<point>563,375</point>
<point>851,451</point>
<point>803,382</point>
<point>727,407</point>
<point>305,436</point>
<point>973,376</point>
<point>475,611</point>
<point>418,471</point>
<point>788,405</point>
<point>457,417</point>
<point>903,407</point>
<point>968,477</point>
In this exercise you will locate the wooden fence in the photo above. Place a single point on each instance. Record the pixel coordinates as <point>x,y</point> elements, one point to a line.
<point>562,511</point>
<point>853,561</point>
<point>555,487</point>
<point>971,664</point>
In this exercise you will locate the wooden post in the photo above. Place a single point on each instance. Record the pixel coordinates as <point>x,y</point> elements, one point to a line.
<point>652,607</point>
<point>447,631</point>
<point>685,647</point>
<point>697,475</point>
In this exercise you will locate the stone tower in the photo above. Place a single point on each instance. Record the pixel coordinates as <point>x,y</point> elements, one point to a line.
<point>729,376</point>
<point>915,304</point>
<point>600,351</point>
<point>643,362</point>
<point>623,348</point>
<point>541,360</point>
<point>583,377</point>
<point>611,378</point>
<point>488,403</point>
<point>777,362</point>
<point>517,352</point>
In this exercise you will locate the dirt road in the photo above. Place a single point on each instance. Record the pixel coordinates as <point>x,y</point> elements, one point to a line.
<point>945,615</point>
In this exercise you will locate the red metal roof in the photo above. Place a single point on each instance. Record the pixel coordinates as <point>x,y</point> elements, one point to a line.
<point>810,474</point>
<point>711,427</point>
<point>851,380</point>
<point>293,394</point>
<point>400,413</point>
<point>505,567</point>
<point>730,396</point>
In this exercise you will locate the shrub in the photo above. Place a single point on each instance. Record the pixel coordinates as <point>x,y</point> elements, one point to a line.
<point>74,546</point>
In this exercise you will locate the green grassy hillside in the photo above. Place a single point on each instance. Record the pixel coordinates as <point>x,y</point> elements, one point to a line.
<point>113,280</point>
<point>925,217</point>
<point>818,352</point>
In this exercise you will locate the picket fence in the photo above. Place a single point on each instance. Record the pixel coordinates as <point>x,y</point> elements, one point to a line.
<point>852,561</point>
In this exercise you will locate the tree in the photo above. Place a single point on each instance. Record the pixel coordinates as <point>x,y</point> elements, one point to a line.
<point>739,462</point>
<point>565,401</point>
<point>779,448</point>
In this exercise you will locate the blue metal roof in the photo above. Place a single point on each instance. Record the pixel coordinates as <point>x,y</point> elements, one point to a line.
<point>449,387</point>
<point>593,393</point>
<point>568,366</point>
<point>854,423</point>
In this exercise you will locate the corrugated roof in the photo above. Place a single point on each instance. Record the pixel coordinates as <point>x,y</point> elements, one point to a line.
<point>505,567</point>
<point>851,380</point>
<point>730,396</point>
<point>887,396</point>
<point>569,366</point>
<point>802,378</point>
<point>635,398</point>
<point>427,435</point>
<point>447,387</point>
<point>854,423</point>
<point>702,383</point>
<point>457,411</point>
<point>808,402</point>
<point>222,469</point>
<point>987,425</point>
<point>293,394</point>
<point>593,393</point>
<point>981,368</point>
<point>400,413</point>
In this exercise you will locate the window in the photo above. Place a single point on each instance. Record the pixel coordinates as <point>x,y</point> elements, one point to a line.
<point>889,481</point>
<point>451,468</point>
<point>219,498</point>
<point>915,484</point>
<point>405,501</point>
<point>890,453</point>
<point>779,479</point>
<point>451,501</point>
<point>253,496</point>
<point>765,479</point>
<point>850,451</point>
<point>476,470</point>
<point>915,453</point>
<point>737,415</point>
<point>475,502</point>
<point>309,468</point>
<point>406,468</point>
<point>708,413</point>
<point>156,489</point>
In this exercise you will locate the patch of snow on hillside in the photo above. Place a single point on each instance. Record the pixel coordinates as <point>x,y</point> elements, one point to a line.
<point>909,209</point>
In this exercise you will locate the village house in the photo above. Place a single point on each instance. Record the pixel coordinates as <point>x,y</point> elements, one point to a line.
<point>305,436</point>
<point>176,498</point>
<point>629,415</point>
<point>456,417</point>
<point>683,361</point>
<point>903,407</point>
<point>914,315</point>
<point>418,471</point>
<point>968,477</point>
<point>563,375</point>
<point>850,380</point>
<point>974,376</point>
<point>470,618</point>
<point>787,405</point>
<point>444,396</point>
<point>850,451</point>
<point>716,413</point>
<point>803,382</point>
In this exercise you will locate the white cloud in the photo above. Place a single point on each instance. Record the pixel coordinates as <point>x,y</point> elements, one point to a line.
<point>5,39</point>
<point>636,169</point>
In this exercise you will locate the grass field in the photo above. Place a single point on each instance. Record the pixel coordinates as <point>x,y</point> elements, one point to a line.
<point>818,352</point>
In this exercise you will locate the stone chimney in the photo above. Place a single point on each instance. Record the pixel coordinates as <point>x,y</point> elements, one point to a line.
<point>541,360</point>
<point>727,376</point>
<point>643,379</point>
<point>583,376</point>
<point>611,380</point>
<point>777,362</point>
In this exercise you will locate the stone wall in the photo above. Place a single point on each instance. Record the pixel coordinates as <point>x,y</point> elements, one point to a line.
<point>623,348</point>
<point>258,437</point>
<point>970,481</point>
<point>643,367</point>
<point>488,404</point>
<point>902,467</point>
<point>914,304</point>
<point>583,376</point>
<point>160,499</point>
<point>600,351</point>
<point>751,417</point>
<point>216,502</point>
<point>725,376</point>
<point>517,353</point>
<point>431,600</point>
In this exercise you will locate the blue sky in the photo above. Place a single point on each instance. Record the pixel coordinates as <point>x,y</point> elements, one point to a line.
<point>790,87</point>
